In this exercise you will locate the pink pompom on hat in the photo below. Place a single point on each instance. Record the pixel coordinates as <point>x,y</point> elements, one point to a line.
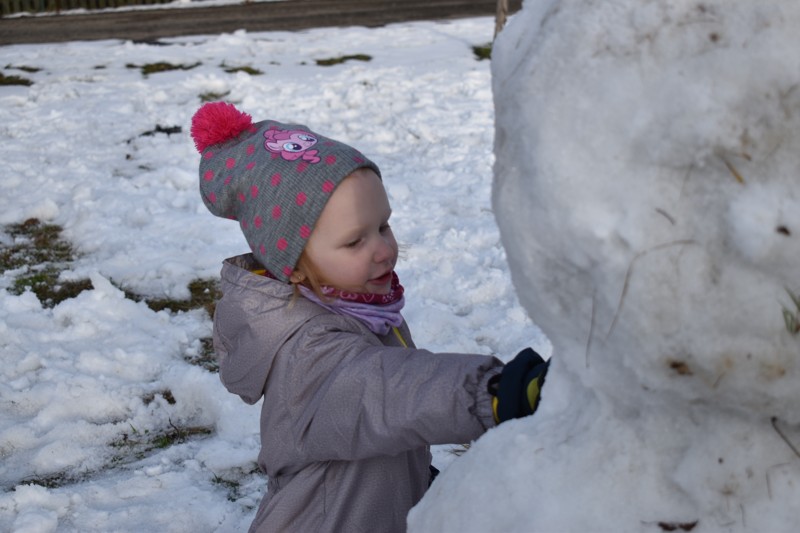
<point>273,178</point>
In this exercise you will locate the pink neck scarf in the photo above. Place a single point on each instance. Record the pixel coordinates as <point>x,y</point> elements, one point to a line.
<point>379,312</point>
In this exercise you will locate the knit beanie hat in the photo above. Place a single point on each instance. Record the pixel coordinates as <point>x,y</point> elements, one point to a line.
<point>273,178</point>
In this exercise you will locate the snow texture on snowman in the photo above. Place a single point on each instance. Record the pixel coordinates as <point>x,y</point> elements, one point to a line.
<point>647,189</point>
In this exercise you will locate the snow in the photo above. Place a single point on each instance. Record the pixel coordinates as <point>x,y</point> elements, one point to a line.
<point>88,387</point>
<point>647,195</point>
<point>645,190</point>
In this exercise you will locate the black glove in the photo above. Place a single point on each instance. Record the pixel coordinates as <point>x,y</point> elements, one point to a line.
<point>516,389</point>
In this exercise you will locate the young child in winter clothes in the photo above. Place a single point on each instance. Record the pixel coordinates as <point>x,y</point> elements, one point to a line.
<point>311,321</point>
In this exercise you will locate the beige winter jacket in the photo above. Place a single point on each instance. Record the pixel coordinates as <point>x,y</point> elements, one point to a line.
<point>347,416</point>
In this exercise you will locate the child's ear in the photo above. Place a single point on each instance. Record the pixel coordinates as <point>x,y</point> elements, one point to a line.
<point>297,277</point>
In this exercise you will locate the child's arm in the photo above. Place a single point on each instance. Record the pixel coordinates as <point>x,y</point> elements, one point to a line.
<point>350,398</point>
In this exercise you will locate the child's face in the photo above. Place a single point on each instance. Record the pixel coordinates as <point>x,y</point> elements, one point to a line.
<point>352,245</point>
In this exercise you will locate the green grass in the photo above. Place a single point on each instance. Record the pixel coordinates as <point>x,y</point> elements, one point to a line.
<point>35,242</point>
<point>14,80</point>
<point>230,485</point>
<point>791,316</point>
<point>38,255</point>
<point>168,130</point>
<point>160,66</point>
<point>341,59</point>
<point>206,358</point>
<point>203,293</point>
<point>45,284</point>
<point>482,51</point>
<point>147,399</point>
<point>213,97</point>
<point>52,481</point>
<point>135,445</point>
<point>247,70</point>
<point>24,68</point>
<point>459,449</point>
<point>231,481</point>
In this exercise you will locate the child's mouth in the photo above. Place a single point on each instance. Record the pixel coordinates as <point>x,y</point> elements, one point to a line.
<point>386,278</point>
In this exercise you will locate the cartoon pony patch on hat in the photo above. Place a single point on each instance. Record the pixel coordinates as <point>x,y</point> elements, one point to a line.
<point>291,145</point>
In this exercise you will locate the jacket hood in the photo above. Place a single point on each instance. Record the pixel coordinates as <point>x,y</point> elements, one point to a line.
<point>251,324</point>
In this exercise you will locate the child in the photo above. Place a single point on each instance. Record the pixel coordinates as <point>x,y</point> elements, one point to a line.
<point>311,320</point>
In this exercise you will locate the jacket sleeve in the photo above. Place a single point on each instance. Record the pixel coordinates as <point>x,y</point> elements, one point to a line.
<point>350,398</point>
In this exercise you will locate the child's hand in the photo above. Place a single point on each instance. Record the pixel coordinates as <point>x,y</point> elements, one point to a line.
<point>516,390</point>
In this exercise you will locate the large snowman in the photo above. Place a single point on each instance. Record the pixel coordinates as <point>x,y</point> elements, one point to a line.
<point>647,189</point>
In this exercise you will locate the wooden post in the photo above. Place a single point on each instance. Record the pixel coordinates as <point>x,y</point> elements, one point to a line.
<point>500,16</point>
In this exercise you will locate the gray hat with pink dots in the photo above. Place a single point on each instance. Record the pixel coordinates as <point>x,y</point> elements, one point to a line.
<point>273,178</point>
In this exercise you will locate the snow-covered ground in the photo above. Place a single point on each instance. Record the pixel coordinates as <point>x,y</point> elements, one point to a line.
<point>86,386</point>
<point>646,187</point>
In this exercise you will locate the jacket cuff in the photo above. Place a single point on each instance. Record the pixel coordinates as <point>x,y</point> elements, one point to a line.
<point>484,410</point>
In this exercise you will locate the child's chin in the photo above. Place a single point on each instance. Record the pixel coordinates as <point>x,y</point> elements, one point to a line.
<point>379,288</point>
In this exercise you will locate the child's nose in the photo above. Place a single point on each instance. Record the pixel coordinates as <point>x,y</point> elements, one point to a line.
<point>384,250</point>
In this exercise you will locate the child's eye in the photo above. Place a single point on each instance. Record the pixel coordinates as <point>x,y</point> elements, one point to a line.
<point>352,244</point>
<point>384,228</point>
